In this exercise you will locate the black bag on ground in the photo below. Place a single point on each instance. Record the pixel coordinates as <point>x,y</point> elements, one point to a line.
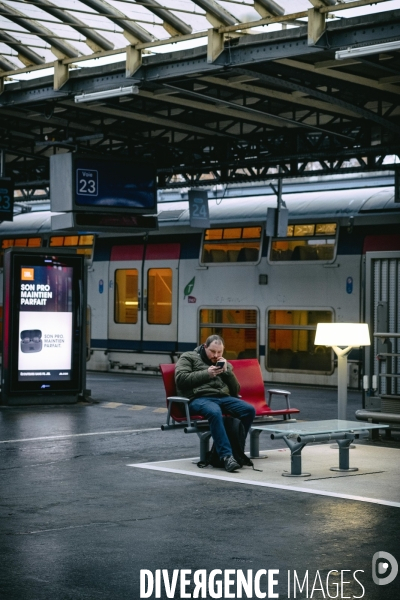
<point>237,438</point>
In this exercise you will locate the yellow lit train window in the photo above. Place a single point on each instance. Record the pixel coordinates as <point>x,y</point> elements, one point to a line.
<point>238,328</point>
<point>57,240</point>
<point>231,245</point>
<point>314,242</point>
<point>85,251</point>
<point>34,242</point>
<point>86,240</point>
<point>251,232</point>
<point>213,234</point>
<point>232,233</point>
<point>71,240</point>
<point>126,296</point>
<point>21,243</point>
<point>159,296</point>
<point>325,229</point>
<point>302,230</point>
<point>291,335</point>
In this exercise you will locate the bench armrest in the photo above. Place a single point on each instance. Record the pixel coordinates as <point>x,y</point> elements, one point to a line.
<point>180,400</point>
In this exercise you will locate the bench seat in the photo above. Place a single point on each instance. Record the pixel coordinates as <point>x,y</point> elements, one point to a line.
<point>252,390</point>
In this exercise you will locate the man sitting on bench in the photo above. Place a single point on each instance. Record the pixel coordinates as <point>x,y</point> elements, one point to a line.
<point>207,379</point>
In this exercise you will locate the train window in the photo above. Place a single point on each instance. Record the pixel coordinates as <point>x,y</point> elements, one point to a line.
<point>313,242</point>
<point>231,245</point>
<point>83,244</point>
<point>22,243</point>
<point>238,327</point>
<point>291,335</point>
<point>126,296</point>
<point>1,323</point>
<point>159,296</point>
<point>19,243</point>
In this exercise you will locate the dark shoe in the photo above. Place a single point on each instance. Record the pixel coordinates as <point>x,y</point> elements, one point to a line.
<point>231,464</point>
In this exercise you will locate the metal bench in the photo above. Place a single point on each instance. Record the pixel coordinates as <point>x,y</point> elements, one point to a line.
<point>252,390</point>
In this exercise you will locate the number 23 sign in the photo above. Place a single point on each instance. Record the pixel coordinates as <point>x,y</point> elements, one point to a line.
<point>6,199</point>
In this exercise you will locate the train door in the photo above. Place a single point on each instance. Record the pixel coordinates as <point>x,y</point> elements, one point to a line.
<point>125,290</point>
<point>160,296</point>
<point>143,297</point>
<point>382,313</point>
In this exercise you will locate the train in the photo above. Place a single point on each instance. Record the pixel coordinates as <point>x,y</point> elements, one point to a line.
<point>152,296</point>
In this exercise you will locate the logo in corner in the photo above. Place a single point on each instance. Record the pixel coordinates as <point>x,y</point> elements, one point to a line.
<point>384,568</point>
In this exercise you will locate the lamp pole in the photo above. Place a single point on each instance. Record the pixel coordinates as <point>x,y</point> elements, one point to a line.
<point>341,354</point>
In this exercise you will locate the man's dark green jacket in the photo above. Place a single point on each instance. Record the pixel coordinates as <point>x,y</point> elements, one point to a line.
<point>193,381</point>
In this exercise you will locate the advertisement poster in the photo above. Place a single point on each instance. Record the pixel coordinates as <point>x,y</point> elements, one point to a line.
<point>45,323</point>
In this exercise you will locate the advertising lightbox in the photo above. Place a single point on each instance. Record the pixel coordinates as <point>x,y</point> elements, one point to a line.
<point>43,329</point>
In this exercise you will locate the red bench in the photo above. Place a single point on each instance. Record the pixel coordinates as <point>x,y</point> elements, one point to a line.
<point>252,390</point>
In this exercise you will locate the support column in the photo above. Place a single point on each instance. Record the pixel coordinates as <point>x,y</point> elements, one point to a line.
<point>133,60</point>
<point>61,74</point>
<point>215,45</point>
<point>316,26</point>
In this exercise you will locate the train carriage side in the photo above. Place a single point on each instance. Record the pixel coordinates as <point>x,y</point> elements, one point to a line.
<point>265,297</point>
<point>154,296</point>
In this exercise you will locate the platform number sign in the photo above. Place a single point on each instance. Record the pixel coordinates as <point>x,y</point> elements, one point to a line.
<point>198,209</point>
<point>87,182</point>
<point>6,199</point>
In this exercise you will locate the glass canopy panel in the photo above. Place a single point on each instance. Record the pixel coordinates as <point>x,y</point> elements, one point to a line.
<point>19,17</point>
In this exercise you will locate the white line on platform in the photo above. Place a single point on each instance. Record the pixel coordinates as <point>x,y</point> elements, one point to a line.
<point>72,435</point>
<point>152,467</point>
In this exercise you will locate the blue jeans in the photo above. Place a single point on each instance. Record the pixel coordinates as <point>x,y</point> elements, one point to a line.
<point>213,408</point>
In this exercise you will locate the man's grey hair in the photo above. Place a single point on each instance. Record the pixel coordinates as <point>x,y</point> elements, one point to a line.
<point>214,338</point>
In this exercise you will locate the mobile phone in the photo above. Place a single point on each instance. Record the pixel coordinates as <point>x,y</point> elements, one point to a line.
<point>220,364</point>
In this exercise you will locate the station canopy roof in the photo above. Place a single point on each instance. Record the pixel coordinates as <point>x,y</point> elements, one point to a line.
<point>223,90</point>
<point>36,32</point>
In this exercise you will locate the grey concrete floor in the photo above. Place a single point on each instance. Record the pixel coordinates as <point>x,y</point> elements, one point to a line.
<point>77,523</point>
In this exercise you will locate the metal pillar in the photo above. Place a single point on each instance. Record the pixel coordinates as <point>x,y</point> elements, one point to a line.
<point>342,380</point>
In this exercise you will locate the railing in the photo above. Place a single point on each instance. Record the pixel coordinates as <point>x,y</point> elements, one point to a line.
<point>388,372</point>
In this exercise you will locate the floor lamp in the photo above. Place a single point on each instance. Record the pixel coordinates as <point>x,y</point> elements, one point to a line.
<point>342,337</point>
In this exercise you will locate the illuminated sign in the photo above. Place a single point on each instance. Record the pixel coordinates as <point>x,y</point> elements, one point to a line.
<point>86,184</point>
<point>44,325</point>
<point>6,199</point>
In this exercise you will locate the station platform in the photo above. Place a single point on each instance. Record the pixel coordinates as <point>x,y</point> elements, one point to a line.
<point>93,493</point>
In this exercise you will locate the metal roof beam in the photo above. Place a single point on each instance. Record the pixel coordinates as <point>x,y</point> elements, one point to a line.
<point>253,114</point>
<point>268,8</point>
<point>281,81</point>
<point>94,40</point>
<point>293,98</point>
<point>133,32</point>
<point>215,14</point>
<point>171,23</point>
<point>25,54</point>
<point>145,118</point>
<point>59,47</point>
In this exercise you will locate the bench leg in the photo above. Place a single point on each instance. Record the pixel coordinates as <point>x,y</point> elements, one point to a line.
<point>344,459</point>
<point>295,459</point>
<point>255,443</point>
<point>204,444</point>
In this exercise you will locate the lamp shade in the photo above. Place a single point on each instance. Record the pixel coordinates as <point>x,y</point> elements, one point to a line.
<point>342,334</point>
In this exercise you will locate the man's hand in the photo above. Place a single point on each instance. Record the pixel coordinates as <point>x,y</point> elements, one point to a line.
<point>215,370</point>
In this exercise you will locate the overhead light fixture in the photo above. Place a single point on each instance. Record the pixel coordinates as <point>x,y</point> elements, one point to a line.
<point>365,50</point>
<point>115,93</point>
